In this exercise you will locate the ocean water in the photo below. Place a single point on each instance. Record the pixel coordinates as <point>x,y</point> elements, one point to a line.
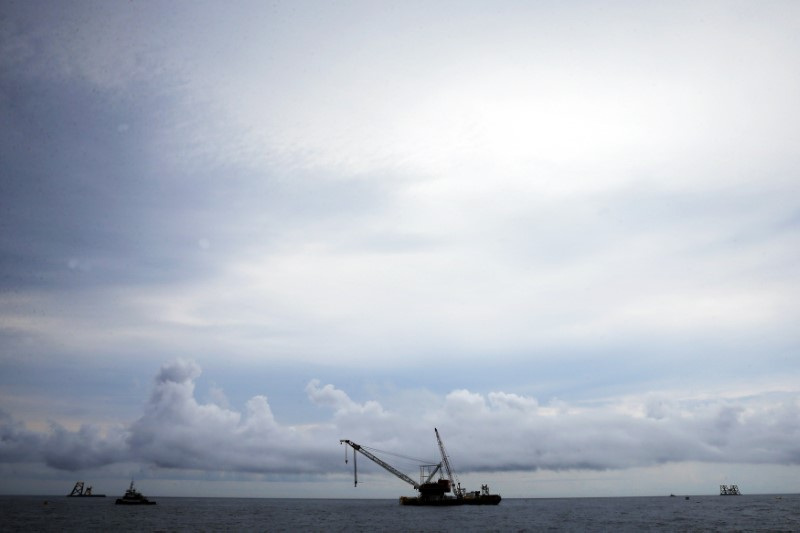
<point>698,513</point>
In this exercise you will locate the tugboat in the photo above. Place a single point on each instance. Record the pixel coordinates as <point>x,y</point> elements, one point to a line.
<point>133,497</point>
<point>79,492</point>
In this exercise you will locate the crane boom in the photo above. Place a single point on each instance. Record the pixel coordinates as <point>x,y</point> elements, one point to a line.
<point>374,458</point>
<point>450,474</point>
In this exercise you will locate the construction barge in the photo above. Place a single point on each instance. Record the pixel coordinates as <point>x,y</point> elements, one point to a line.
<point>444,491</point>
<point>78,491</point>
<point>729,490</point>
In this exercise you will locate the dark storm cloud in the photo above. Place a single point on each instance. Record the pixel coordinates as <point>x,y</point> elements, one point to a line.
<point>60,448</point>
<point>17,444</point>
<point>87,447</point>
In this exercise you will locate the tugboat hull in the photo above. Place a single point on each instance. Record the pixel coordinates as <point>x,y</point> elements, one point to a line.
<point>121,501</point>
<point>483,499</point>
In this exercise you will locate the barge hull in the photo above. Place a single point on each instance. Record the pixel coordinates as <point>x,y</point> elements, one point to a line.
<point>485,499</point>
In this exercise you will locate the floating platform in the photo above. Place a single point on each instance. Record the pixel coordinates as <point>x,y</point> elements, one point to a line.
<point>78,491</point>
<point>729,490</point>
<point>468,499</point>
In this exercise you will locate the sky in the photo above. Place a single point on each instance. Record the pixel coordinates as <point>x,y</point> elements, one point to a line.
<point>566,234</point>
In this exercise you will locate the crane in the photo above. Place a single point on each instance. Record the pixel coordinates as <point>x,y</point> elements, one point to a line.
<point>428,489</point>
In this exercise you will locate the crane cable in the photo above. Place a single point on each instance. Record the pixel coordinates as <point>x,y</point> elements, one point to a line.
<point>415,459</point>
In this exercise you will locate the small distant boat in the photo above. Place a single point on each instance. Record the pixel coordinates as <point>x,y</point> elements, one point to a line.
<point>133,497</point>
<point>78,491</point>
<point>729,490</point>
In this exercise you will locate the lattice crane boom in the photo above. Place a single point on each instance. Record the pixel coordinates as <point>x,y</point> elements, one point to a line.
<point>450,473</point>
<point>378,460</point>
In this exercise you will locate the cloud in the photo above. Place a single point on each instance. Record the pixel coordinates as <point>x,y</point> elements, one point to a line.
<point>17,444</point>
<point>59,447</point>
<point>178,432</point>
<point>88,447</point>
<point>500,203</point>
<point>330,396</point>
<point>495,432</point>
